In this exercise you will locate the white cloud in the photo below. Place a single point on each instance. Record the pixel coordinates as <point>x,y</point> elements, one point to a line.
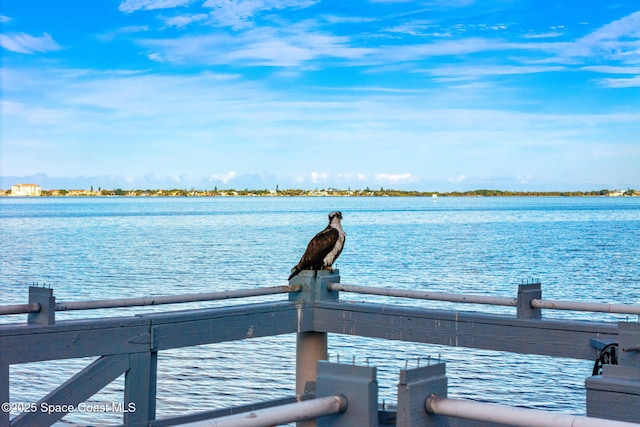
<point>620,83</point>
<point>612,69</point>
<point>156,57</point>
<point>4,19</point>
<point>471,72</point>
<point>629,26</point>
<point>396,178</point>
<point>317,177</point>
<point>335,19</point>
<point>461,178</point>
<point>240,14</point>
<point>184,20</point>
<point>24,43</point>
<point>225,178</point>
<point>618,40</point>
<point>550,34</point>
<point>124,30</point>
<point>129,6</point>
<point>283,47</point>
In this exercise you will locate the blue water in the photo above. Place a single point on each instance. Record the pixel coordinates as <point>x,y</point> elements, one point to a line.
<point>583,249</point>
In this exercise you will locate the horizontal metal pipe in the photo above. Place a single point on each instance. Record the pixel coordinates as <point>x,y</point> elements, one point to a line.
<point>278,415</point>
<point>173,299</point>
<point>20,308</point>
<point>586,306</point>
<point>517,417</point>
<point>436,296</point>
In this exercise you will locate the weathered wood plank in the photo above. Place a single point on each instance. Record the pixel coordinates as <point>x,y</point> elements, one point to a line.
<point>140,389</point>
<point>217,312</point>
<point>77,389</point>
<point>11,329</point>
<point>223,325</point>
<point>64,340</point>
<point>4,395</point>
<point>557,338</point>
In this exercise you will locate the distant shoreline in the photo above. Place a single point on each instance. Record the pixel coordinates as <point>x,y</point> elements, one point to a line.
<point>322,193</point>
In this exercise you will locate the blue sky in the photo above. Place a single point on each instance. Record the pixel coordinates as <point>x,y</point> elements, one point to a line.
<point>433,95</point>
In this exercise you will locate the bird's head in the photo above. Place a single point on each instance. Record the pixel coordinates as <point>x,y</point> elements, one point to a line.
<point>335,214</point>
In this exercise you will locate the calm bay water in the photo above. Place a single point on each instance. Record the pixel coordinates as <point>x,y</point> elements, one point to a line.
<point>583,249</point>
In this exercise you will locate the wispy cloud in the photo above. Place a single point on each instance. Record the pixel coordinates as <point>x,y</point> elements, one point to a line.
<point>269,46</point>
<point>240,14</point>
<point>132,29</point>
<point>318,177</point>
<point>25,43</point>
<point>620,83</point>
<point>129,6</point>
<point>476,72</point>
<point>618,40</point>
<point>401,178</point>
<point>185,20</point>
<point>224,178</point>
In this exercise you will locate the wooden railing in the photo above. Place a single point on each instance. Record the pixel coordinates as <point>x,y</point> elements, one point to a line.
<point>130,345</point>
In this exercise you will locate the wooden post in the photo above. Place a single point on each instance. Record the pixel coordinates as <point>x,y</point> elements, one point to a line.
<point>4,395</point>
<point>140,389</point>
<point>526,293</point>
<point>311,346</point>
<point>414,387</point>
<point>47,313</point>
<point>358,384</point>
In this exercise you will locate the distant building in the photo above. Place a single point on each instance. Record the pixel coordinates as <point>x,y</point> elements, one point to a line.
<point>25,190</point>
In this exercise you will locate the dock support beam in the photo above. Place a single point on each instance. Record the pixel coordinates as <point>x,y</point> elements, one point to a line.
<point>311,346</point>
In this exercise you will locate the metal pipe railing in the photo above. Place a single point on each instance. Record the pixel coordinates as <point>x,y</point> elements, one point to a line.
<point>490,300</point>
<point>517,417</point>
<point>20,308</point>
<point>150,300</point>
<point>368,290</point>
<point>278,415</point>
<point>586,306</point>
<point>173,299</point>
<point>436,296</point>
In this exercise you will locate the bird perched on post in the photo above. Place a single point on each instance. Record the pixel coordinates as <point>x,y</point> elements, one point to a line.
<point>324,248</point>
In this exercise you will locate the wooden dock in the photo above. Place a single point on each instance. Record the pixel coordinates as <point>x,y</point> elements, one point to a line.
<point>312,311</point>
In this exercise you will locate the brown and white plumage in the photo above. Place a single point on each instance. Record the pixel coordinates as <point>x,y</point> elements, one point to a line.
<point>324,248</point>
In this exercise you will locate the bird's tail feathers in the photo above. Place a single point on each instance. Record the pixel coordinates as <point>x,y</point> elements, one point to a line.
<point>294,273</point>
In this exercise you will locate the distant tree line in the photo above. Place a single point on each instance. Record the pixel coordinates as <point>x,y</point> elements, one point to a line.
<point>382,192</point>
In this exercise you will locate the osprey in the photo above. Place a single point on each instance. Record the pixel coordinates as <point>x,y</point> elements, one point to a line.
<point>324,248</point>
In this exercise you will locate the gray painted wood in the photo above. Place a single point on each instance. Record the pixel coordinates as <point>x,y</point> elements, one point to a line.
<point>4,394</point>
<point>139,390</point>
<point>358,384</point>
<point>77,389</point>
<point>527,293</point>
<point>414,387</point>
<point>130,344</point>
<point>217,413</point>
<point>615,394</point>
<point>94,337</point>
<point>227,324</point>
<point>44,297</point>
<point>559,338</point>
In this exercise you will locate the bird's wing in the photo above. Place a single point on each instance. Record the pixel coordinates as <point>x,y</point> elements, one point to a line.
<point>318,248</point>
